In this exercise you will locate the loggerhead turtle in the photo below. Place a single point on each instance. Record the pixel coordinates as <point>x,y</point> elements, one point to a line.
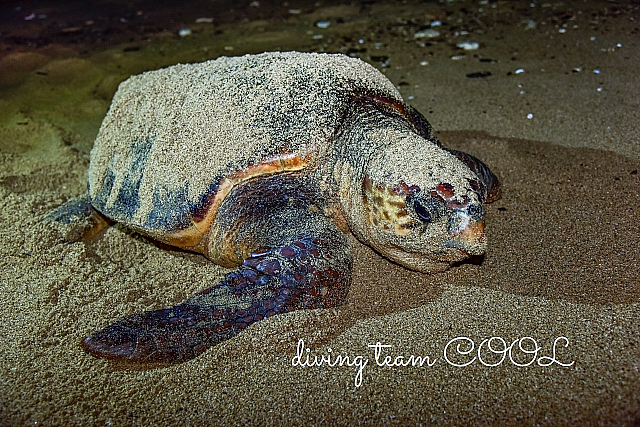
<point>263,163</point>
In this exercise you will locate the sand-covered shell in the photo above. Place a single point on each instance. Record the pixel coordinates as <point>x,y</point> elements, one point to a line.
<point>176,140</point>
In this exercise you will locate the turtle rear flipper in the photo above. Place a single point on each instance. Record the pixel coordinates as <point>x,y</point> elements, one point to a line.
<point>302,272</point>
<point>82,221</point>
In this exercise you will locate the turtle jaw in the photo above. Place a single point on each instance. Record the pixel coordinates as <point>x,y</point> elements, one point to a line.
<point>464,238</point>
<point>425,262</point>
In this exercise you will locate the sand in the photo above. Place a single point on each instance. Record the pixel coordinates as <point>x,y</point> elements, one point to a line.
<point>562,258</point>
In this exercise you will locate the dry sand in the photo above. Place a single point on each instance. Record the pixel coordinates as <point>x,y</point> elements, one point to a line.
<point>562,260</point>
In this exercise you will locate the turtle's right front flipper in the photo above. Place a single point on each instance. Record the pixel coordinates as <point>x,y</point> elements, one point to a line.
<point>304,271</point>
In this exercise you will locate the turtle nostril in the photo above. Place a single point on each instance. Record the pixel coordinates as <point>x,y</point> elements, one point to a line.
<point>475,211</point>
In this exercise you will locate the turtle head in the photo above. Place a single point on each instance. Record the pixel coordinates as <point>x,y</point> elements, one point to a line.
<point>422,207</point>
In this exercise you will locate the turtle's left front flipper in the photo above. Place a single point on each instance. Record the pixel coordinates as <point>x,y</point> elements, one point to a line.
<point>310,270</point>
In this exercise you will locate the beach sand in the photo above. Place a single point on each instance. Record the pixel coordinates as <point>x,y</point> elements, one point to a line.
<point>561,267</point>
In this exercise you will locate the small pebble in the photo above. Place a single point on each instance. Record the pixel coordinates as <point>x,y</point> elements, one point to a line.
<point>436,23</point>
<point>323,24</point>
<point>562,30</point>
<point>468,45</point>
<point>599,89</point>
<point>519,71</point>
<point>428,33</point>
<point>529,116</point>
<point>577,69</point>
<point>30,17</point>
<point>295,11</point>
<point>254,4</point>
<point>184,32</point>
<point>424,63</point>
<point>204,20</point>
<point>458,57</point>
<point>596,71</point>
<point>317,36</point>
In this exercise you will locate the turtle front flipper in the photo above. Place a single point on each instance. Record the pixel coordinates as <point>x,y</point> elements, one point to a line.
<point>301,272</point>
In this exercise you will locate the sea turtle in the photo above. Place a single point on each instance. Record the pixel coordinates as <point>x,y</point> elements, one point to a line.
<point>264,163</point>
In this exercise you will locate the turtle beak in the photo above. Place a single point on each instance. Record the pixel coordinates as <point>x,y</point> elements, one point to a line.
<point>467,233</point>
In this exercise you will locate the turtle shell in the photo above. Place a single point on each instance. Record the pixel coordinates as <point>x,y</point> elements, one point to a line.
<point>175,141</point>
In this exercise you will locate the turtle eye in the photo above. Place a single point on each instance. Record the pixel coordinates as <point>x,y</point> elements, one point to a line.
<point>428,209</point>
<point>422,212</point>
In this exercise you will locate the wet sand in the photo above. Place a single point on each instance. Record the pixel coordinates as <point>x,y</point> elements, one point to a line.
<point>562,258</point>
